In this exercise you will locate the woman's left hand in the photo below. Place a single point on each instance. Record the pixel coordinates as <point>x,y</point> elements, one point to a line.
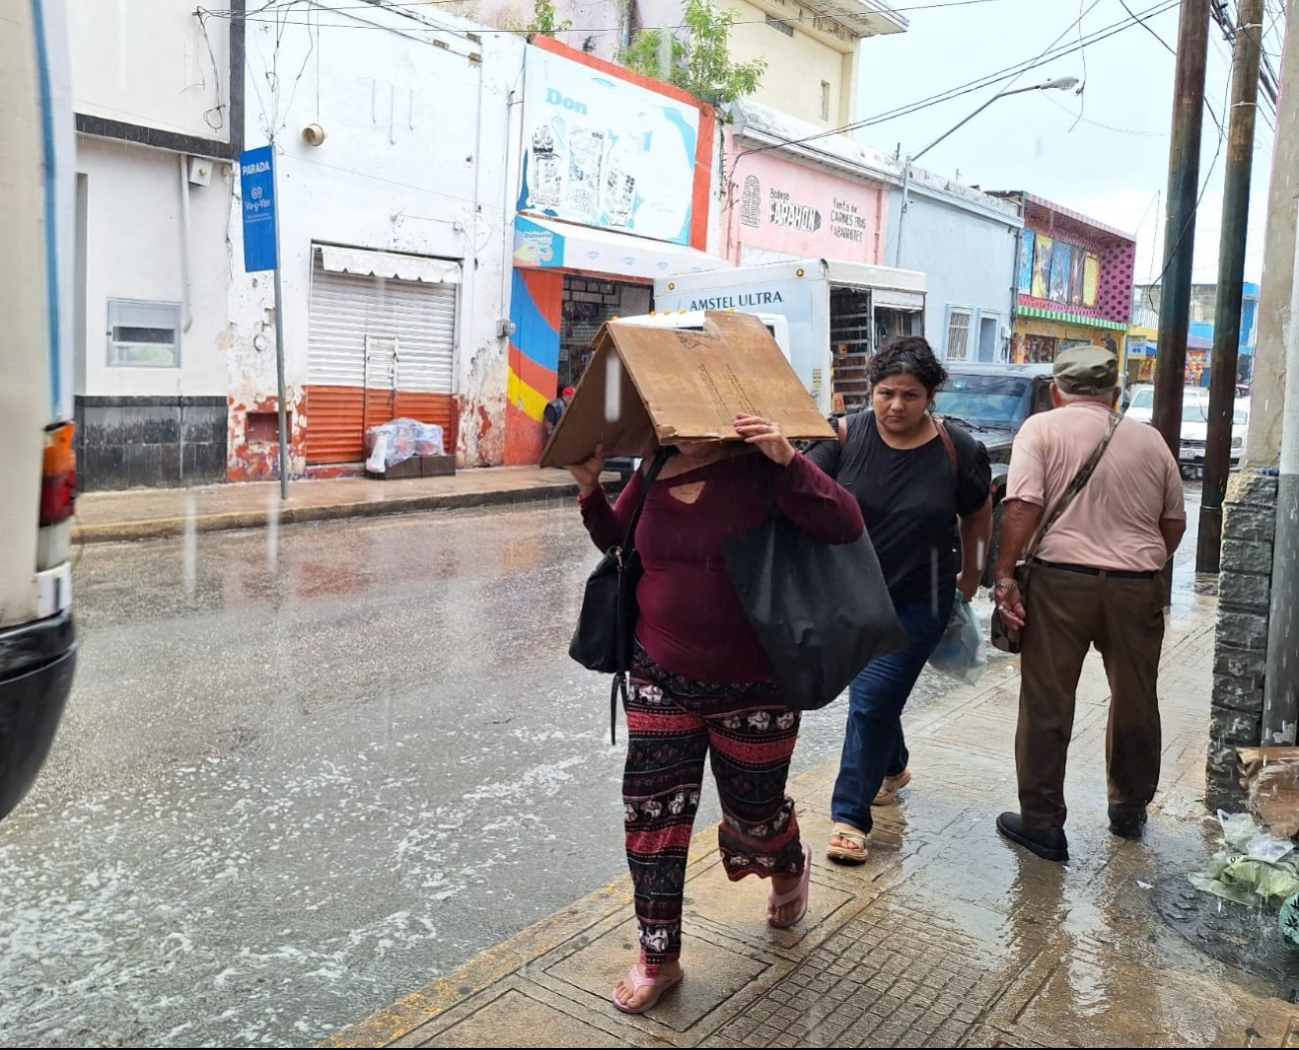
<point>767,437</point>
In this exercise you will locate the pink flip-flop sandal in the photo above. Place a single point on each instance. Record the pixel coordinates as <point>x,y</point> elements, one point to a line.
<point>638,981</point>
<point>776,900</point>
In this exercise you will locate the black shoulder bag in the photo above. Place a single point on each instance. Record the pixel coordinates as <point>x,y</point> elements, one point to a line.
<point>820,611</point>
<point>606,627</point>
<point>1009,639</point>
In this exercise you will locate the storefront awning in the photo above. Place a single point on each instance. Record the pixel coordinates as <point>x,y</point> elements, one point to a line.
<point>895,299</point>
<point>542,244</point>
<point>390,265</point>
<point>1082,320</point>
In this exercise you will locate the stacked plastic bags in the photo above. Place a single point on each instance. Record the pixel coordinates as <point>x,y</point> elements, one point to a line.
<point>400,440</point>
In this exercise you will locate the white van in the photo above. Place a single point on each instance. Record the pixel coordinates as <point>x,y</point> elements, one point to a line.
<point>37,454</point>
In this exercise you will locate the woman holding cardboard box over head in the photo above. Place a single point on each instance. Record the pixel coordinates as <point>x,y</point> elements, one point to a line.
<point>701,685</point>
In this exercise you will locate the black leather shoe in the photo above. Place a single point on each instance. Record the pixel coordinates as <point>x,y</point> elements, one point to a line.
<point>1128,823</point>
<point>1049,845</point>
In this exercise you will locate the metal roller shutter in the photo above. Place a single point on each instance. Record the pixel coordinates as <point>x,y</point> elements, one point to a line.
<point>378,348</point>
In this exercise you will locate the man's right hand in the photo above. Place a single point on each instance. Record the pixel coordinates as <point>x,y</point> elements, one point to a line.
<point>1010,603</point>
<point>587,474</point>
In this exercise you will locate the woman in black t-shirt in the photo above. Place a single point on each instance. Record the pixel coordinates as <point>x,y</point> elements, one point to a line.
<point>916,479</point>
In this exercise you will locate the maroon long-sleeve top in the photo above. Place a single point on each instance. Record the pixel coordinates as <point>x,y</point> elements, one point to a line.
<point>691,622</point>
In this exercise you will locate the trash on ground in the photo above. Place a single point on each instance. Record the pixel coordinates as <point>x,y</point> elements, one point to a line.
<point>1271,776</point>
<point>1252,868</point>
<point>1287,923</point>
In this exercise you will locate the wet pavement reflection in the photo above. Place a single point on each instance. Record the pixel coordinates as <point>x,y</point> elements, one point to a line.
<point>307,769</point>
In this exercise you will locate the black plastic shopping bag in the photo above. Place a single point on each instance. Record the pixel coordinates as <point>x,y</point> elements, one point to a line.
<point>821,611</point>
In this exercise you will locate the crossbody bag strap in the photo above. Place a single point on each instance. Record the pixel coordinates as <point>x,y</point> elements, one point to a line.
<point>945,436</point>
<point>1075,487</point>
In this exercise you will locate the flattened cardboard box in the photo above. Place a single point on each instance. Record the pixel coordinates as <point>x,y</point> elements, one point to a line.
<point>647,387</point>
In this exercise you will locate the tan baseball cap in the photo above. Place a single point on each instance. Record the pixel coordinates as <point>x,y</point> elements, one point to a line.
<point>1088,371</point>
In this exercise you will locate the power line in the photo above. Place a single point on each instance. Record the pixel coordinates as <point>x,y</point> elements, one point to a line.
<point>1171,50</point>
<point>1011,73</point>
<point>1108,127</point>
<point>1193,218</point>
<point>412,7</point>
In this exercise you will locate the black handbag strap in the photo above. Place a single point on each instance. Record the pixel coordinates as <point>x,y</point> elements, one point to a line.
<point>619,688</point>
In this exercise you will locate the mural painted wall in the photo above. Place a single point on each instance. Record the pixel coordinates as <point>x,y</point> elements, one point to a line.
<point>615,152</point>
<point>779,207</point>
<point>601,151</point>
<point>536,308</point>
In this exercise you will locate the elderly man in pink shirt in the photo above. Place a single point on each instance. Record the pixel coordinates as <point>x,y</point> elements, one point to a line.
<point>1095,578</point>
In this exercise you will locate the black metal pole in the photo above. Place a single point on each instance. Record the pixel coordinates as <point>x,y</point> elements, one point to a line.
<point>1231,277</point>
<point>1179,230</point>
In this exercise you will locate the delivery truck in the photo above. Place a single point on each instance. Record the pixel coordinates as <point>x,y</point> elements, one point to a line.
<point>37,446</point>
<point>838,314</point>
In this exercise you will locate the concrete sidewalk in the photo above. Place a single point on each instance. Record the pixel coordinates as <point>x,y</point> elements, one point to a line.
<point>947,937</point>
<point>155,513</point>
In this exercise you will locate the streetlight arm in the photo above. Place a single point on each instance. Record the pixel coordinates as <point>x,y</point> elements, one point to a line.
<point>952,130</point>
<point>1063,83</point>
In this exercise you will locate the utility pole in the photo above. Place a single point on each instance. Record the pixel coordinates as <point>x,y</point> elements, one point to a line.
<point>1281,677</point>
<point>1179,230</point>
<point>1231,278</point>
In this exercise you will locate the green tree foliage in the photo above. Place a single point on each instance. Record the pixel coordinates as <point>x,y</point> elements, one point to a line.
<point>546,21</point>
<point>701,62</point>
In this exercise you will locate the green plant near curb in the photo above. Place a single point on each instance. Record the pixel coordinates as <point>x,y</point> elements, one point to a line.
<point>701,60</point>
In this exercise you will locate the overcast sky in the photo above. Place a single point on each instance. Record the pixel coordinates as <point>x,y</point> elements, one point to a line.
<point>1113,164</point>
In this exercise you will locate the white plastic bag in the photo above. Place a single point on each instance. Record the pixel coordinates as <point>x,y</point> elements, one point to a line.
<point>400,440</point>
<point>962,653</point>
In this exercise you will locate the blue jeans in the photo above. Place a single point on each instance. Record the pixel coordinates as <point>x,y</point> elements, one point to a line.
<point>874,746</point>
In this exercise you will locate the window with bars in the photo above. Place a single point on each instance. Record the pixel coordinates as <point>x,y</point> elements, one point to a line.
<point>958,335</point>
<point>780,25</point>
<point>825,100</point>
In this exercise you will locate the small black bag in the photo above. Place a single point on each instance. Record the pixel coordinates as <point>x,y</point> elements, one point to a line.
<point>606,627</point>
<point>821,611</point>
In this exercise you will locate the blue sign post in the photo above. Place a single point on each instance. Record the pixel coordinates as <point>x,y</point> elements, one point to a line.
<point>261,253</point>
<point>257,180</point>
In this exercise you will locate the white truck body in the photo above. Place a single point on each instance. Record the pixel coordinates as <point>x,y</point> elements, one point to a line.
<point>835,311</point>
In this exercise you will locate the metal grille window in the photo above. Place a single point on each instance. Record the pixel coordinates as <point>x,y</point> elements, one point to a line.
<point>825,100</point>
<point>958,335</point>
<point>781,25</point>
<point>143,334</point>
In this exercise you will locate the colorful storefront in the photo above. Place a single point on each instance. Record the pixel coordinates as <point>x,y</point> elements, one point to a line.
<point>1074,283</point>
<point>778,208</point>
<point>1143,348</point>
<point>614,192</point>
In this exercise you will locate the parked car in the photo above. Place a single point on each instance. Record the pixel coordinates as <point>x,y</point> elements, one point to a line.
<point>1140,403</point>
<point>992,402</point>
<point>1195,433</point>
<point>1195,424</point>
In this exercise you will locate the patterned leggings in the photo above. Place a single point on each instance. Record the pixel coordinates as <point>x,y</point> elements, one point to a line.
<point>672,725</point>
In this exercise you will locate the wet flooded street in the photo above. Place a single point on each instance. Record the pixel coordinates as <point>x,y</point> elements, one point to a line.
<point>302,774</point>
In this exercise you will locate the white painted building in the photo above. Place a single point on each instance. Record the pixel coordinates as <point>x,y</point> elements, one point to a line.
<point>158,126</point>
<point>963,240</point>
<point>966,242</point>
<point>396,174</point>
